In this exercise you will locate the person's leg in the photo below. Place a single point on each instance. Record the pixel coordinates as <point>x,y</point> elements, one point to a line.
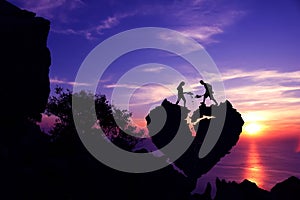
<point>204,98</point>
<point>178,99</point>
<point>184,101</point>
<point>213,99</point>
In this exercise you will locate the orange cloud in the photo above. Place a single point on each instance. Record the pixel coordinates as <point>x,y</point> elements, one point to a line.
<point>267,97</point>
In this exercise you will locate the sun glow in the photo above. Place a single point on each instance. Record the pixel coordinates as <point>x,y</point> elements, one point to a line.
<point>252,128</point>
<point>255,123</point>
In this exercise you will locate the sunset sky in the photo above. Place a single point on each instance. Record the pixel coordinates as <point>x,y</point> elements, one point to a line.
<point>255,45</point>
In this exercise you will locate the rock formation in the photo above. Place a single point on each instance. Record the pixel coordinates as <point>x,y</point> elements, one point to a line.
<point>24,87</point>
<point>287,189</point>
<point>25,61</point>
<point>172,120</point>
<point>191,164</point>
<point>246,190</point>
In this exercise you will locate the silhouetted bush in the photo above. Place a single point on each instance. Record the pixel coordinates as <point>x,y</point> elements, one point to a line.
<point>113,121</point>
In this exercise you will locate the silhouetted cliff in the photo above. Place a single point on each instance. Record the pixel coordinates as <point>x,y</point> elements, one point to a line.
<point>287,189</point>
<point>176,122</point>
<point>172,120</point>
<point>24,87</point>
<point>246,190</point>
<point>25,61</point>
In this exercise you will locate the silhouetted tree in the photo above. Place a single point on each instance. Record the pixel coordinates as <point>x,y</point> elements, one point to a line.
<point>113,121</point>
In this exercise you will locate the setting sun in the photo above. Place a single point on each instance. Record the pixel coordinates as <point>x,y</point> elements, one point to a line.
<point>252,128</point>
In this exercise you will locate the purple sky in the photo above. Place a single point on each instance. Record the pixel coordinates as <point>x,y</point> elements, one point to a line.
<point>255,44</point>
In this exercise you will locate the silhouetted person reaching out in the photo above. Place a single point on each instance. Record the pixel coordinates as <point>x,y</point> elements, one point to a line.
<point>208,92</point>
<point>180,93</point>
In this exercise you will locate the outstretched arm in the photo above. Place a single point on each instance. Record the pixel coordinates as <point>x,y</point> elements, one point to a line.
<point>190,93</point>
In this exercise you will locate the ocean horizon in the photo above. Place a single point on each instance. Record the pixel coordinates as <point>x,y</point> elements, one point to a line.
<point>263,161</point>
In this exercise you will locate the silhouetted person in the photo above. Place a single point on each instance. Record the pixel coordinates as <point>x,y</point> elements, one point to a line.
<point>208,92</point>
<point>180,93</point>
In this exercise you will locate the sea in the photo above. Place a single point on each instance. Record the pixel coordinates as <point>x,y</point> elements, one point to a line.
<point>260,160</point>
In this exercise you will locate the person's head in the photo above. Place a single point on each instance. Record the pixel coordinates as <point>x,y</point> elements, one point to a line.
<point>182,83</point>
<point>202,82</point>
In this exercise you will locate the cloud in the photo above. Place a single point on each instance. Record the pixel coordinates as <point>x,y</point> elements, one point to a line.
<point>65,19</point>
<point>265,95</point>
<point>146,94</point>
<point>51,9</point>
<point>69,31</point>
<point>105,80</point>
<point>129,86</point>
<point>202,19</point>
<point>262,74</point>
<point>86,33</point>
<point>202,33</point>
<point>107,24</point>
<point>72,83</point>
<point>263,86</point>
<point>199,19</point>
<point>91,33</point>
<point>151,94</point>
<point>113,21</point>
<point>154,69</point>
<point>179,42</point>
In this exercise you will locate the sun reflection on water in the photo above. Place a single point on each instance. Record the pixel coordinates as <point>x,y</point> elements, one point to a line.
<point>255,170</point>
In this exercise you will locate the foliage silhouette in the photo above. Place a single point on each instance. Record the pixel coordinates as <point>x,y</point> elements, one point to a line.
<point>114,122</point>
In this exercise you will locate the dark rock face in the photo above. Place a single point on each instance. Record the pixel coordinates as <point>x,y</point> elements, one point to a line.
<point>206,195</point>
<point>288,189</point>
<point>172,119</point>
<point>25,61</point>
<point>24,87</point>
<point>189,162</point>
<point>168,117</point>
<point>246,190</point>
